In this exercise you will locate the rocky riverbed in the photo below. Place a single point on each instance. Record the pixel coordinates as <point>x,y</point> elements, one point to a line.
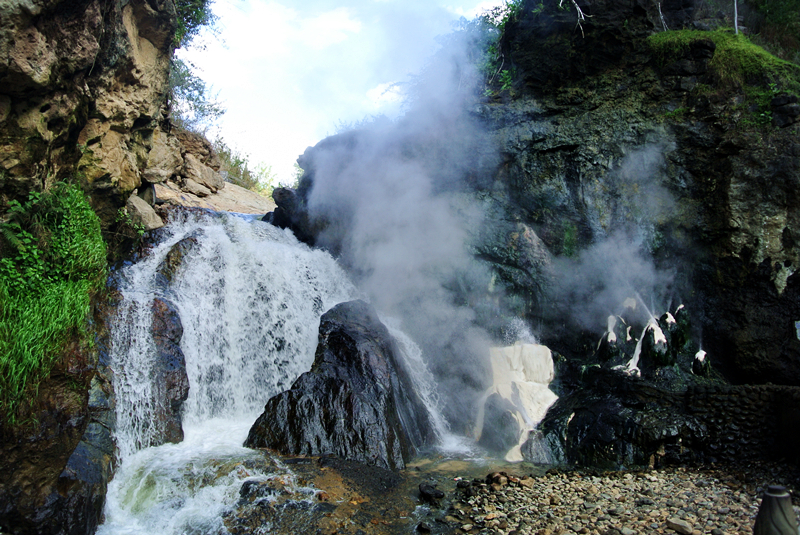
<point>329,496</point>
<point>675,500</point>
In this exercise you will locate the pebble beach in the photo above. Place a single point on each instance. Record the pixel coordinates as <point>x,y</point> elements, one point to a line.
<point>673,500</point>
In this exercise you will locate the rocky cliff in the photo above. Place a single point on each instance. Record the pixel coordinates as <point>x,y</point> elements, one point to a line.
<point>631,162</point>
<point>83,99</point>
<point>667,150</point>
<point>83,96</point>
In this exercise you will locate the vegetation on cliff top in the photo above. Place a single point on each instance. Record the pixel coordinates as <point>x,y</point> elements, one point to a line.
<point>53,259</point>
<point>193,16</point>
<point>236,169</point>
<point>780,27</point>
<point>737,65</point>
<point>736,61</point>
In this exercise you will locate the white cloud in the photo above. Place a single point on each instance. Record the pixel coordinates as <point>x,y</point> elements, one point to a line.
<point>289,72</point>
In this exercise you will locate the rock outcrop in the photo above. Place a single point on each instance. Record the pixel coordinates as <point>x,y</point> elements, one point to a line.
<point>596,148</point>
<point>357,402</point>
<point>57,462</point>
<point>84,90</point>
<point>171,380</point>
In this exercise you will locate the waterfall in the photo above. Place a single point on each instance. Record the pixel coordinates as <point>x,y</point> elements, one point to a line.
<point>249,297</point>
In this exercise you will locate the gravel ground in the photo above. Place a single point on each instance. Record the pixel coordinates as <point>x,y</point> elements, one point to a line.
<point>676,500</point>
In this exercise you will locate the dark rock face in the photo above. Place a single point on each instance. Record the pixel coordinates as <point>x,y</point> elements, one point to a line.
<point>599,151</point>
<point>55,472</point>
<point>357,401</point>
<point>615,421</point>
<point>673,409</point>
<point>291,213</point>
<point>34,458</point>
<point>500,429</point>
<point>171,379</point>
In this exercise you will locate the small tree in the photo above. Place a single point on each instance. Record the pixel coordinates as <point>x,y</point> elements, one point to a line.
<point>193,16</point>
<point>193,107</point>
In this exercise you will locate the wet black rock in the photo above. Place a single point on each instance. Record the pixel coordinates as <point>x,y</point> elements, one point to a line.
<point>171,379</point>
<point>357,401</point>
<point>429,493</point>
<point>291,213</point>
<point>172,262</point>
<point>615,420</point>
<point>500,427</point>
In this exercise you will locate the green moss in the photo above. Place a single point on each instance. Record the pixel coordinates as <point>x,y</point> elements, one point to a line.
<point>676,113</point>
<point>737,65</point>
<point>569,242</point>
<point>53,258</point>
<point>736,61</point>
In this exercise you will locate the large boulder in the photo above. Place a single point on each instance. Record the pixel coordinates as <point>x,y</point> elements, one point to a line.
<point>357,401</point>
<point>172,382</point>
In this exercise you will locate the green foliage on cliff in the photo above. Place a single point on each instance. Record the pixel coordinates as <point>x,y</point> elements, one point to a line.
<point>193,16</point>
<point>737,65</point>
<point>52,257</point>
<point>237,170</point>
<point>193,106</point>
<point>489,28</point>
<point>781,26</point>
<point>737,61</point>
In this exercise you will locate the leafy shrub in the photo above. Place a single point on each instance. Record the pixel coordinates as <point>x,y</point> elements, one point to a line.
<point>52,258</point>
<point>193,106</point>
<point>780,29</point>
<point>236,169</point>
<point>193,16</point>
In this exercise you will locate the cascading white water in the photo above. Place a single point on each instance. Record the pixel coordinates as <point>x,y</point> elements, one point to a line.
<point>250,297</point>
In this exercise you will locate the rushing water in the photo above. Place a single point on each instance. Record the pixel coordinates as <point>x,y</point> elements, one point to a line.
<point>250,297</point>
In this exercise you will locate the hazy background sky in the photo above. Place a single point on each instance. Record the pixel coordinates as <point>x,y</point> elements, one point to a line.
<point>289,72</point>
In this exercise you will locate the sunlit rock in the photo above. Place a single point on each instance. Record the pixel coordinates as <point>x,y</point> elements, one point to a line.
<point>142,214</point>
<point>195,170</point>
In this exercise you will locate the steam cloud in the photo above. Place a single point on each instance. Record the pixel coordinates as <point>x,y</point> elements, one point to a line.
<point>621,265</point>
<point>396,203</point>
<point>392,196</point>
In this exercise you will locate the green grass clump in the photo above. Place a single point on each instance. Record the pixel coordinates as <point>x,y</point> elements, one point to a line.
<point>52,258</point>
<point>736,61</point>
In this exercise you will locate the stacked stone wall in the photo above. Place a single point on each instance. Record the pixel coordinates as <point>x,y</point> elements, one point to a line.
<point>748,422</point>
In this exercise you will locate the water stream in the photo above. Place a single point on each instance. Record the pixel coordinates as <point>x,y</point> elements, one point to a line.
<point>250,297</point>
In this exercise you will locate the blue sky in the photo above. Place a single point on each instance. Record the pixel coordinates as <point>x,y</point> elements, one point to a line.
<point>290,72</point>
